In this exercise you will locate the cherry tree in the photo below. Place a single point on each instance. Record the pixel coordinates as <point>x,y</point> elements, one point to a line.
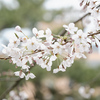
<point>44,47</point>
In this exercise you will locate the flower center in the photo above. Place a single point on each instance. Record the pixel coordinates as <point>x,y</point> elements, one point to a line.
<point>32,43</point>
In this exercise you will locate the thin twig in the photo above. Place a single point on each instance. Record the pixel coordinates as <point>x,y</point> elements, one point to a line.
<point>5,58</point>
<point>12,87</point>
<point>62,33</point>
<point>94,34</point>
<point>19,79</point>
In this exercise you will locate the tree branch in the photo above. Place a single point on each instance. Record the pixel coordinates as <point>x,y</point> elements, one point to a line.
<point>94,34</point>
<point>62,33</point>
<point>10,88</point>
<point>13,86</point>
<point>5,58</point>
<point>19,79</point>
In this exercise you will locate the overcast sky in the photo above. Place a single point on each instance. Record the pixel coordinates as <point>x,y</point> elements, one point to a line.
<point>58,4</point>
<point>49,4</point>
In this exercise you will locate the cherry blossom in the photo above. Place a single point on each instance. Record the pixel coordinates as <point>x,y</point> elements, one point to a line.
<point>38,34</point>
<point>45,47</point>
<point>84,94</point>
<point>79,37</point>
<point>30,75</point>
<point>49,36</point>
<point>57,48</point>
<point>20,74</point>
<point>18,28</point>
<point>70,28</point>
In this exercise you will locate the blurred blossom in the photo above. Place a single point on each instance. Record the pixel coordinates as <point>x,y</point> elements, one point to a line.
<point>86,92</point>
<point>62,85</point>
<point>26,92</point>
<point>23,95</point>
<point>12,93</point>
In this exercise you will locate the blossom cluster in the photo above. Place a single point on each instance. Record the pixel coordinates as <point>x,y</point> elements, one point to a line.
<point>44,47</point>
<point>92,7</point>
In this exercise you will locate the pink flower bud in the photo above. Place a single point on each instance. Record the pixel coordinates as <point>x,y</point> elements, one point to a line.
<point>18,28</point>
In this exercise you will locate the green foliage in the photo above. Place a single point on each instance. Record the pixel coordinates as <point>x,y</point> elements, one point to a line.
<point>79,72</point>
<point>27,15</point>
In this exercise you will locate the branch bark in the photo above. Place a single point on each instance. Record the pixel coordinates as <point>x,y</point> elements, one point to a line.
<point>12,87</point>
<point>62,33</point>
<point>94,34</point>
<point>19,79</point>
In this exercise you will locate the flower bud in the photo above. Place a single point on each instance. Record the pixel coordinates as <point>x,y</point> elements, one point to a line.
<point>18,28</point>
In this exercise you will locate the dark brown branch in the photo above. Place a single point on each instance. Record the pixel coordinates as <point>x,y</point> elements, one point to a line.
<point>94,34</point>
<point>12,87</point>
<point>62,33</point>
<point>5,58</point>
<point>19,79</point>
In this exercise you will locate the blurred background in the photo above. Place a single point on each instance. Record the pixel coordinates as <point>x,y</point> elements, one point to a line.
<point>79,82</point>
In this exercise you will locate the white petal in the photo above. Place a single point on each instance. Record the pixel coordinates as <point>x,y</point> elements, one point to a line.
<point>53,58</point>
<point>48,31</point>
<point>32,75</point>
<point>65,26</point>
<point>56,70</point>
<point>16,73</point>
<point>27,77</point>
<point>71,25</point>
<point>22,75</point>
<point>18,28</point>
<point>35,31</point>
<point>48,68</point>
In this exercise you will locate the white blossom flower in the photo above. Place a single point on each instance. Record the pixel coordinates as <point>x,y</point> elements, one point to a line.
<point>80,37</point>
<point>20,74</point>
<point>32,44</point>
<point>80,55</point>
<point>57,48</point>
<point>6,50</point>
<point>59,69</point>
<point>23,95</point>
<point>24,39</point>
<point>38,34</point>
<point>43,48</point>
<point>12,93</point>
<point>84,94</point>
<point>30,75</point>
<point>25,67</point>
<point>84,47</point>
<point>49,62</point>
<point>18,28</point>
<point>95,13</point>
<point>49,36</point>
<point>14,42</point>
<point>26,59</point>
<point>70,28</point>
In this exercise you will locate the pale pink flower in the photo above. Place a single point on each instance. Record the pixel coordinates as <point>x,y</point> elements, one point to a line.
<point>30,75</point>
<point>20,74</point>
<point>18,28</point>
<point>70,28</point>
<point>38,34</point>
